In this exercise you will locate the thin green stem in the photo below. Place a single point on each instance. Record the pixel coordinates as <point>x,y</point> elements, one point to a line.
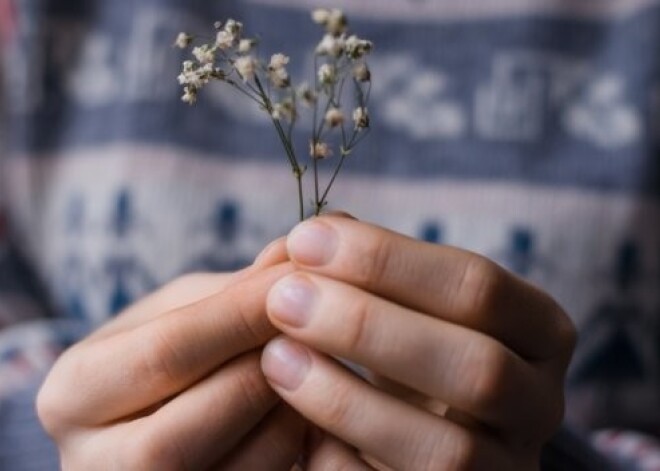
<point>332,181</point>
<point>288,148</point>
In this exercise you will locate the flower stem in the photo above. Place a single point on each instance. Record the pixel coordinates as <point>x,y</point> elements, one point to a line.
<point>332,181</point>
<point>288,148</point>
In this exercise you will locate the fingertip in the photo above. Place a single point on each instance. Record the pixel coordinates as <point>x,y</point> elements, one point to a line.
<point>272,254</point>
<point>285,363</point>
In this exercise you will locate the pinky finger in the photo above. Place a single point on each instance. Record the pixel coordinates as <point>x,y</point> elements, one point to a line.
<point>331,454</point>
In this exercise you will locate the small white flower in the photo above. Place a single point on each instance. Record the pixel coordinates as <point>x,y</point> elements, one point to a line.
<point>307,95</point>
<point>320,150</point>
<point>183,40</point>
<point>336,23</point>
<point>321,16</point>
<point>204,54</point>
<point>285,110</point>
<point>361,118</point>
<point>356,48</point>
<point>233,27</point>
<point>278,61</point>
<point>279,77</point>
<point>246,45</point>
<point>362,73</point>
<point>188,66</point>
<point>334,117</point>
<point>189,95</point>
<point>327,74</point>
<point>331,46</point>
<point>217,25</point>
<point>246,67</point>
<point>224,40</point>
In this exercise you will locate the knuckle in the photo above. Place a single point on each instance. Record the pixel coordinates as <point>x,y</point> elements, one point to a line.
<point>161,362</point>
<point>480,285</point>
<point>252,385</point>
<point>357,333</point>
<point>374,263</point>
<point>338,414</point>
<point>490,369</point>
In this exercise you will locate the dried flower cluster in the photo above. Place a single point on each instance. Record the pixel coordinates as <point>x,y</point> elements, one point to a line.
<point>340,67</point>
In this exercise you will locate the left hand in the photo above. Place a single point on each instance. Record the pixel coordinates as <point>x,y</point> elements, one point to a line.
<point>447,325</point>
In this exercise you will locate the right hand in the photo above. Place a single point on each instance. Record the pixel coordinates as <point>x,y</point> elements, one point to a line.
<point>175,382</point>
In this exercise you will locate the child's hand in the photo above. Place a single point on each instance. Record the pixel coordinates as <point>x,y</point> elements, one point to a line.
<point>447,325</point>
<point>175,383</point>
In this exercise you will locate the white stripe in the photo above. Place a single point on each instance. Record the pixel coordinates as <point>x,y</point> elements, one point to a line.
<point>407,10</point>
<point>577,231</point>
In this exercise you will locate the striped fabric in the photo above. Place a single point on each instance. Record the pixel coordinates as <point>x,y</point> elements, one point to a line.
<point>525,130</point>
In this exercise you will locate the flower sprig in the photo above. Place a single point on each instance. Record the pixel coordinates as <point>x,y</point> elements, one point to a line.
<point>340,67</point>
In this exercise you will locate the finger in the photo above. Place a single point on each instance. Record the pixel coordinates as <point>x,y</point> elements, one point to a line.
<point>188,289</point>
<point>122,375</point>
<point>464,368</point>
<point>274,253</point>
<point>445,282</point>
<point>193,430</point>
<point>274,445</point>
<point>180,292</point>
<point>398,435</point>
<point>332,455</point>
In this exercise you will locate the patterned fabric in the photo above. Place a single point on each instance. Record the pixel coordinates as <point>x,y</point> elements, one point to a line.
<point>527,131</point>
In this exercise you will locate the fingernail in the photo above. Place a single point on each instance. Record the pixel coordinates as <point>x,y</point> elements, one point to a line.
<point>291,299</point>
<point>285,363</point>
<point>312,243</point>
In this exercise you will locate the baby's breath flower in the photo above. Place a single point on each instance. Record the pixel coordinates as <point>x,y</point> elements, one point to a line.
<point>319,150</point>
<point>246,45</point>
<point>284,110</point>
<point>188,65</point>
<point>279,77</point>
<point>331,46</point>
<point>307,95</point>
<point>197,77</point>
<point>183,40</point>
<point>357,48</point>
<point>224,40</point>
<point>278,61</point>
<point>362,73</point>
<point>204,54</point>
<point>336,23</point>
<point>321,16</point>
<point>361,117</point>
<point>233,27</point>
<point>334,117</point>
<point>340,56</point>
<point>246,66</point>
<point>327,74</point>
<point>189,95</point>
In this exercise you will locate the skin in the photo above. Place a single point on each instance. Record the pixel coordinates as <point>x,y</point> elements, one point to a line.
<point>464,364</point>
<point>154,390</point>
<point>468,360</point>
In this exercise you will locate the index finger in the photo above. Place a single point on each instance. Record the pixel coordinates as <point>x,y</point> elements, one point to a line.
<point>131,371</point>
<point>441,281</point>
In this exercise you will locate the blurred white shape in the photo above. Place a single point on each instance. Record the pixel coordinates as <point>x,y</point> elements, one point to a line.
<point>602,117</point>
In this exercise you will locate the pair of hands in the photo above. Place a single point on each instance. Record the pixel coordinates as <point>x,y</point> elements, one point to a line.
<point>467,362</point>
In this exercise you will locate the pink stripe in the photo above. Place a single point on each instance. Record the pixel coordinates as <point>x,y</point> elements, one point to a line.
<point>472,9</point>
<point>7,21</point>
